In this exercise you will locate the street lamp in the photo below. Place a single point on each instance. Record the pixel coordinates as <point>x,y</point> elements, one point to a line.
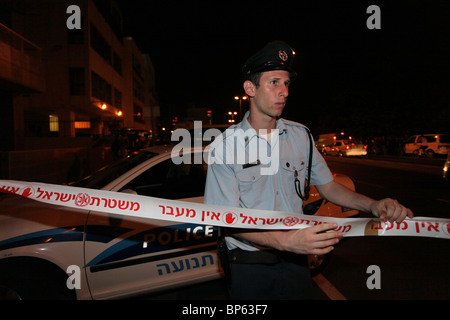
<point>240,104</point>
<point>232,114</point>
<point>107,107</point>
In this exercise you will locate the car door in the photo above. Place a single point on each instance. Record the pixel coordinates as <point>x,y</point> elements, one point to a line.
<point>131,256</point>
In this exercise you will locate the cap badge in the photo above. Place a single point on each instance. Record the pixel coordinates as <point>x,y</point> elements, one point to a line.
<point>283,55</point>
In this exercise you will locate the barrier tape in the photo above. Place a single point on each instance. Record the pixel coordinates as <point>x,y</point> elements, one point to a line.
<point>188,212</point>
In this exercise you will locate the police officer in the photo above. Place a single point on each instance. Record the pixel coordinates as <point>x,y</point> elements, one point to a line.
<point>272,264</point>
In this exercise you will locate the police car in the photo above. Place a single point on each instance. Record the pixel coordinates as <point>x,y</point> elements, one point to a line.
<point>53,252</point>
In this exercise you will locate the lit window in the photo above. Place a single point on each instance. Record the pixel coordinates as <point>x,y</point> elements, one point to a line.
<point>54,123</point>
<point>82,124</point>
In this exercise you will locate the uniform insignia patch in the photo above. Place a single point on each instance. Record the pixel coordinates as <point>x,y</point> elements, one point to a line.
<point>283,55</point>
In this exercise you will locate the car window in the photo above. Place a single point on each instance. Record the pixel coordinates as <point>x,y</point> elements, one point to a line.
<point>430,138</point>
<point>108,173</point>
<point>170,181</point>
<point>411,139</point>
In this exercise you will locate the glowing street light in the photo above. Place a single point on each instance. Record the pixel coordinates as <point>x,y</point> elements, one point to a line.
<point>232,114</point>
<point>240,104</point>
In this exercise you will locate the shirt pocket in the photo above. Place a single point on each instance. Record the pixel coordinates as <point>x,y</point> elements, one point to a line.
<point>249,175</point>
<point>287,176</point>
<point>290,165</point>
<point>251,186</point>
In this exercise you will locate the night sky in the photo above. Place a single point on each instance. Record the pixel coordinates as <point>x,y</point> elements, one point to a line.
<point>389,82</point>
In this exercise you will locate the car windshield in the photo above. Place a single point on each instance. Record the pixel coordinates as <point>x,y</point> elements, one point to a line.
<point>110,172</point>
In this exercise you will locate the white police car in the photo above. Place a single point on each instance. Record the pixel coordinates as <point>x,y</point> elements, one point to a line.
<point>52,252</point>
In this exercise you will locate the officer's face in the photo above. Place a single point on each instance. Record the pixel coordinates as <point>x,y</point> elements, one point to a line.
<point>270,97</point>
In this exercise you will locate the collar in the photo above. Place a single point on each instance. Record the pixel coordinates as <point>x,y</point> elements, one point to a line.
<point>251,132</point>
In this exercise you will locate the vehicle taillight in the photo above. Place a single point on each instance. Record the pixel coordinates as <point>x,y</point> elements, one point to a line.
<point>365,147</point>
<point>347,147</point>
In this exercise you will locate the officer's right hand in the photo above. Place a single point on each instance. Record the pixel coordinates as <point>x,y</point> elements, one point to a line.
<point>312,240</point>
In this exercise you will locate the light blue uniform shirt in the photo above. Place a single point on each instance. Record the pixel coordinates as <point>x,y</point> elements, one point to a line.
<point>239,174</point>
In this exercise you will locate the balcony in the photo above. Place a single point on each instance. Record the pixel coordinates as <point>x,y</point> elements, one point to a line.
<point>21,66</point>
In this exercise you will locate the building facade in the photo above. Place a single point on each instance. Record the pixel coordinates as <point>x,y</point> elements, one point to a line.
<point>69,78</point>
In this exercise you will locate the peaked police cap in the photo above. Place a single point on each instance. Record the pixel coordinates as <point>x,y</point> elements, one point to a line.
<point>275,55</point>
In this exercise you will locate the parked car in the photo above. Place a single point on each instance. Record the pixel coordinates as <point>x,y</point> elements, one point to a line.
<point>323,140</point>
<point>118,256</point>
<point>428,144</point>
<point>345,148</point>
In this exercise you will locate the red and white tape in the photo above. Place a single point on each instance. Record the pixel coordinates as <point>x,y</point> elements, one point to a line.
<point>188,212</point>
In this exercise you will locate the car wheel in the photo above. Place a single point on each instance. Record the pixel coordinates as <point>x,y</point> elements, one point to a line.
<point>317,263</point>
<point>429,153</point>
<point>30,279</point>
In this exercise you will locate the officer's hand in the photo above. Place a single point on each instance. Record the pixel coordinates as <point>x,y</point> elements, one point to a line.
<point>312,240</point>
<point>391,210</point>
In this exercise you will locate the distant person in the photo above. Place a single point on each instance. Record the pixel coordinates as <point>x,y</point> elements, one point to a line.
<point>424,145</point>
